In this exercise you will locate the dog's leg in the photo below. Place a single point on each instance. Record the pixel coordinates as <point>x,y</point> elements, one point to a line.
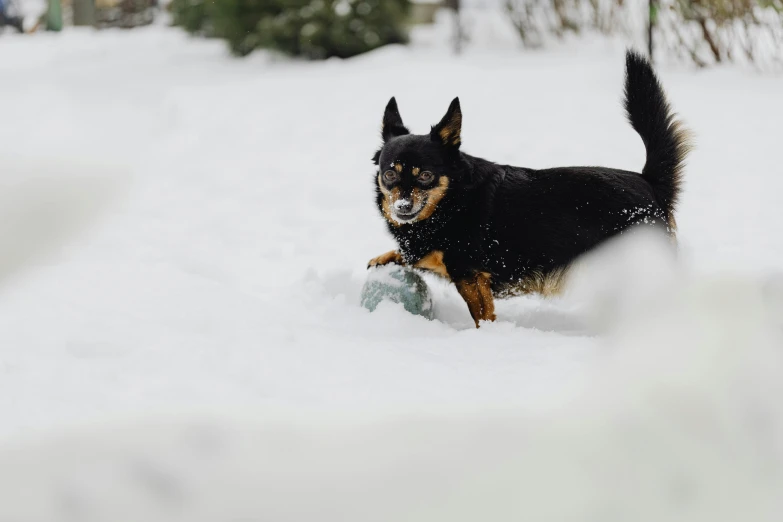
<point>384,259</point>
<point>477,293</point>
<point>433,262</point>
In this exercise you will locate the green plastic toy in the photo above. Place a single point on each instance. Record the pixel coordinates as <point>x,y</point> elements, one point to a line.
<point>397,284</point>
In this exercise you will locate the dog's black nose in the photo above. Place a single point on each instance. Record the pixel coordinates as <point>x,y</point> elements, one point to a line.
<point>403,206</point>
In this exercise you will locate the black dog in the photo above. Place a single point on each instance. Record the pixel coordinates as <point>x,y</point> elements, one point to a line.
<point>496,230</point>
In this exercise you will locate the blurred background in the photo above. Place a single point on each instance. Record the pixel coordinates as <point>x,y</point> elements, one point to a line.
<point>702,32</point>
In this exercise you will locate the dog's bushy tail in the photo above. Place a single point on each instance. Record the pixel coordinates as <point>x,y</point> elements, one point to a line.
<point>664,137</point>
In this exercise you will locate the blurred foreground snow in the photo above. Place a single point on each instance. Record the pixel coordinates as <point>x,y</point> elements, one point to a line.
<point>684,422</point>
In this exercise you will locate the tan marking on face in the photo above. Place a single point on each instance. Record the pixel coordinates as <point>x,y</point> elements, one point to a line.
<point>547,284</point>
<point>392,256</point>
<point>433,195</point>
<point>477,293</point>
<point>416,171</point>
<point>418,196</point>
<point>398,167</point>
<point>433,262</point>
<point>389,197</point>
<point>381,186</point>
<point>393,196</point>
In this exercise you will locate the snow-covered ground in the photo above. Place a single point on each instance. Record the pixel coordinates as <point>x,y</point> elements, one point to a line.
<point>227,268</point>
<point>231,218</point>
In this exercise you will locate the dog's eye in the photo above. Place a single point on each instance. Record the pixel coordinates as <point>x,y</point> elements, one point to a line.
<point>426,177</point>
<point>390,176</point>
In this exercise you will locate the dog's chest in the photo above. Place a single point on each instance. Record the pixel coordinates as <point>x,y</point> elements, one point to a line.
<point>460,241</point>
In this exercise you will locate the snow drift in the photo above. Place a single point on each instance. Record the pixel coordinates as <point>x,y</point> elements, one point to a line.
<point>682,422</point>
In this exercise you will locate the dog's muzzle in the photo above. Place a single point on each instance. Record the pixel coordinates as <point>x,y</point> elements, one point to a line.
<point>404,211</point>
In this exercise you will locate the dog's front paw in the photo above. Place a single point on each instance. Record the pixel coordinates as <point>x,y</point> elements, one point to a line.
<point>384,259</point>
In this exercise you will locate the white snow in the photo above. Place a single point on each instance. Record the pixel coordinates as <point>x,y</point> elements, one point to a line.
<point>232,214</point>
<point>682,422</point>
<point>400,202</point>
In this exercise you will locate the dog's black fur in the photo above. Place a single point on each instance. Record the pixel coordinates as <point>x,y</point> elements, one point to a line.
<point>519,226</point>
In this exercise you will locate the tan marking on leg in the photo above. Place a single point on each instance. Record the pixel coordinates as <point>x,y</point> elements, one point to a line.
<point>551,283</point>
<point>391,256</point>
<point>477,293</point>
<point>433,262</point>
<point>398,167</point>
<point>416,171</point>
<point>434,196</point>
<point>547,284</point>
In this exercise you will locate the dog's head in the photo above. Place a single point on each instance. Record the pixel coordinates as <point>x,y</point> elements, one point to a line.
<point>415,171</point>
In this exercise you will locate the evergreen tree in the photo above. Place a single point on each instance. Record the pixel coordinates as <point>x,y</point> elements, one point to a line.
<point>314,29</point>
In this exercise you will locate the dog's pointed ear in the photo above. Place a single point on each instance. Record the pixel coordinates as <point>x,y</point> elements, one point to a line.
<point>392,122</point>
<point>448,131</point>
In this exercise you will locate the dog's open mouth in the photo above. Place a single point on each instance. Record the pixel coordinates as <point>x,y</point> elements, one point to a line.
<point>401,216</point>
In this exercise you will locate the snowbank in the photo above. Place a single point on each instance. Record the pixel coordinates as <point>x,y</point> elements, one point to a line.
<point>683,422</point>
